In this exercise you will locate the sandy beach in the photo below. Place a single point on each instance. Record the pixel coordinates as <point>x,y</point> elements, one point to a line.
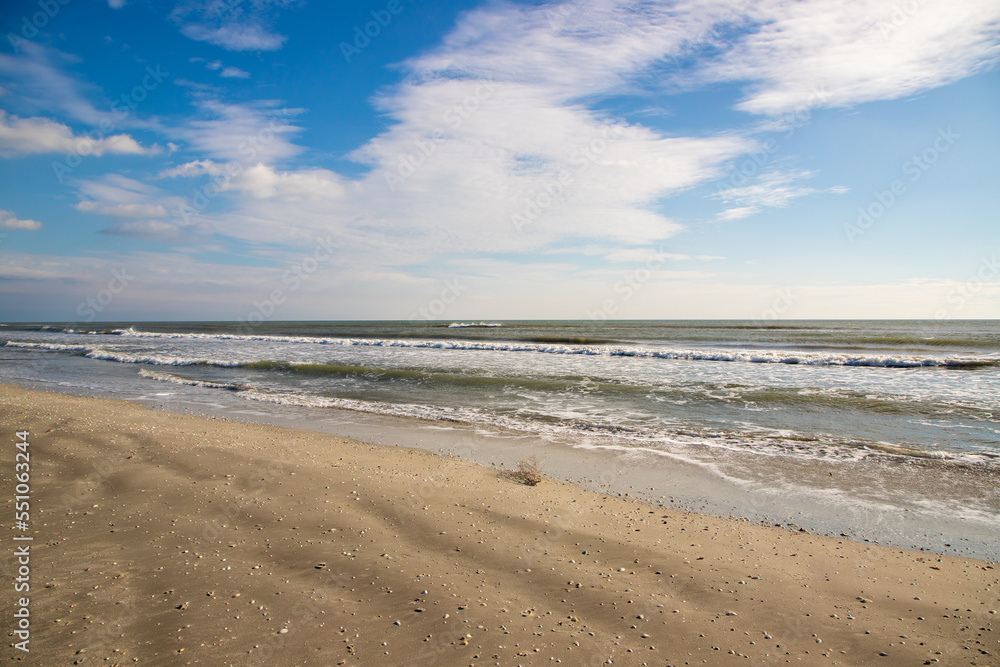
<point>166,539</point>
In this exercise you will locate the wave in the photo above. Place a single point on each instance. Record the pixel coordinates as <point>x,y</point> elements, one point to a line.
<point>582,433</point>
<point>127,358</point>
<point>466,325</point>
<point>722,355</point>
<point>176,379</point>
<point>591,348</point>
<point>51,347</point>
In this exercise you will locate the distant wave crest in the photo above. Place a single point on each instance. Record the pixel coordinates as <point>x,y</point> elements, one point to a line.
<point>723,355</point>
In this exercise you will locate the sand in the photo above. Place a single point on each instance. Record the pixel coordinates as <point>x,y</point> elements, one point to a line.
<point>165,539</point>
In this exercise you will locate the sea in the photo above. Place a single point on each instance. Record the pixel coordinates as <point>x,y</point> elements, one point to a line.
<point>878,431</point>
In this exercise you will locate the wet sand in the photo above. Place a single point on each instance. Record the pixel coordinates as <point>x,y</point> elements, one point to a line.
<point>166,539</point>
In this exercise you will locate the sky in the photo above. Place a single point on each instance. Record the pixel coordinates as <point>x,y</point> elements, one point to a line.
<point>459,160</point>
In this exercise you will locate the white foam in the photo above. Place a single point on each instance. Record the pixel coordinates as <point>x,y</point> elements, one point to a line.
<point>730,355</point>
<point>53,347</point>
<point>127,358</point>
<point>166,377</point>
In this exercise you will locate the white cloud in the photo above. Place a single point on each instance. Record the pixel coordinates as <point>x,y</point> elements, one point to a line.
<point>22,136</point>
<point>224,71</point>
<point>192,169</point>
<point>116,4</point>
<point>738,212</point>
<point>468,158</point>
<point>234,37</point>
<point>232,26</point>
<point>263,182</point>
<point>234,73</point>
<point>8,221</point>
<point>500,123</point>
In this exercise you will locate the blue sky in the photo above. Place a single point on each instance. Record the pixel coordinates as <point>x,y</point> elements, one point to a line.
<point>279,159</point>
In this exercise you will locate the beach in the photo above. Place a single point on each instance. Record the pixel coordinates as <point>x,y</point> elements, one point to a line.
<point>876,431</point>
<point>167,539</point>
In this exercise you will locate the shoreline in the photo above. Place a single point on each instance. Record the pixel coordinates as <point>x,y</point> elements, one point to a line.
<point>870,501</point>
<point>154,545</point>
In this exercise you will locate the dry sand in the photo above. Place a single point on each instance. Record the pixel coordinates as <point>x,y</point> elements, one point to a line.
<point>164,539</point>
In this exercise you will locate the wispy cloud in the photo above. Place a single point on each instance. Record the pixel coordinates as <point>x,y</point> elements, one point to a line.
<point>853,52</point>
<point>504,139</point>
<point>234,26</point>
<point>141,205</point>
<point>144,229</point>
<point>224,71</point>
<point>247,133</point>
<point>785,51</point>
<point>647,256</point>
<point>572,49</point>
<point>123,210</point>
<point>43,82</point>
<point>775,189</point>
<point>450,176</point>
<point>234,73</point>
<point>39,78</point>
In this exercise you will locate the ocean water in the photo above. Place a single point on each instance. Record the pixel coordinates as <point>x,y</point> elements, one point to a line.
<point>896,415</point>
